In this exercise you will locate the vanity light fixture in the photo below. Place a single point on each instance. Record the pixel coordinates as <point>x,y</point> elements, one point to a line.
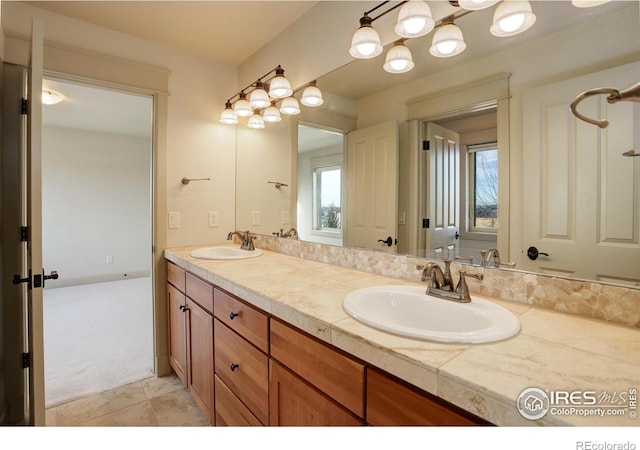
<point>263,96</point>
<point>256,122</point>
<point>512,17</point>
<point>399,59</point>
<point>279,86</point>
<point>228,115</point>
<point>50,97</point>
<point>448,40</point>
<point>242,107</point>
<point>271,114</point>
<point>290,106</point>
<point>259,97</point>
<point>414,19</point>
<point>311,95</point>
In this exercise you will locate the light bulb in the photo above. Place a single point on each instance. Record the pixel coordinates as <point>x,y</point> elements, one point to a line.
<point>365,43</point>
<point>311,96</point>
<point>50,98</point>
<point>512,17</point>
<point>448,41</point>
<point>398,59</point>
<point>279,86</point>
<point>259,97</point>
<point>241,107</point>
<point>290,106</point>
<point>228,116</point>
<point>414,19</point>
<point>271,114</point>
<point>255,122</point>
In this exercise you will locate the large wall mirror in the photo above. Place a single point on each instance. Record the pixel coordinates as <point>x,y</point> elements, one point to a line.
<point>508,165</point>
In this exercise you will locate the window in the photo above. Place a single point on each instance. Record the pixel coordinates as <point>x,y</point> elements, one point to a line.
<point>327,193</point>
<point>483,187</point>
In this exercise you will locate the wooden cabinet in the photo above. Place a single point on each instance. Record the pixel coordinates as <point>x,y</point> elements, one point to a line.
<point>177,326</point>
<point>332,372</point>
<point>245,368</point>
<point>177,332</point>
<point>393,402</point>
<point>190,328</point>
<point>294,402</point>
<point>200,357</point>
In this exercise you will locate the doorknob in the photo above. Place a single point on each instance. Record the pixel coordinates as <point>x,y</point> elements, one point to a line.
<point>533,253</point>
<point>457,235</point>
<point>388,241</point>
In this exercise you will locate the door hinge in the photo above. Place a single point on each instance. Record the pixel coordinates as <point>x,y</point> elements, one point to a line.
<point>426,145</point>
<point>26,360</point>
<point>24,234</point>
<point>24,106</point>
<point>425,223</point>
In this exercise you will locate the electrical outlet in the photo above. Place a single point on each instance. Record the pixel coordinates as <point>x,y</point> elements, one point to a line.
<point>174,220</point>
<point>402,218</point>
<point>213,219</point>
<point>284,217</point>
<point>255,218</point>
<point>109,259</point>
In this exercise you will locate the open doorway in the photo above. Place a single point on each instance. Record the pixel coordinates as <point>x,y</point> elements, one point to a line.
<point>97,234</point>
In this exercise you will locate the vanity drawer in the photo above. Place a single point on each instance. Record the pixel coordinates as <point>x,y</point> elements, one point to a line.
<point>338,376</point>
<point>176,276</point>
<point>230,411</point>
<point>392,402</point>
<point>245,320</point>
<point>200,292</point>
<point>244,369</point>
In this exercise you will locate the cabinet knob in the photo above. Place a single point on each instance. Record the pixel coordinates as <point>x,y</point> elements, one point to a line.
<point>234,367</point>
<point>233,315</point>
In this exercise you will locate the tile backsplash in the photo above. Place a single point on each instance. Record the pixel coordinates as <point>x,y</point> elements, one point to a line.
<point>584,298</point>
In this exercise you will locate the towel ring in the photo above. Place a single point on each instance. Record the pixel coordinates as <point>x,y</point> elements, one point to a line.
<point>591,93</point>
<point>614,95</point>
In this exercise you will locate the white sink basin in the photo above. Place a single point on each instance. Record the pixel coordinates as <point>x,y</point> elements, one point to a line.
<point>409,311</point>
<point>225,253</point>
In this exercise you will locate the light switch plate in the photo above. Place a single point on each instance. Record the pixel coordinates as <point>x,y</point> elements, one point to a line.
<point>255,217</point>
<point>174,220</point>
<point>213,219</point>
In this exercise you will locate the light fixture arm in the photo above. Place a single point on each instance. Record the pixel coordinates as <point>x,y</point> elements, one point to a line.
<point>366,14</point>
<point>255,83</point>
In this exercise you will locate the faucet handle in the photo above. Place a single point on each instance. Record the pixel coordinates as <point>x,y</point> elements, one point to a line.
<point>462,287</point>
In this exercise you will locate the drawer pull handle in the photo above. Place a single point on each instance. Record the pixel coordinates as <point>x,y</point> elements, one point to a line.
<point>233,315</point>
<point>234,367</point>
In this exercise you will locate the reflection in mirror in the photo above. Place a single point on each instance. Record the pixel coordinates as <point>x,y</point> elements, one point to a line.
<point>319,174</point>
<point>564,186</point>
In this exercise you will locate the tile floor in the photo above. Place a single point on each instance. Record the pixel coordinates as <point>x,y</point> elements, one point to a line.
<point>151,402</point>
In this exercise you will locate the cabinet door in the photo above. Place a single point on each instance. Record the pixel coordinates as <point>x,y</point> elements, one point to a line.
<point>177,332</point>
<point>293,402</point>
<point>390,402</point>
<point>201,357</point>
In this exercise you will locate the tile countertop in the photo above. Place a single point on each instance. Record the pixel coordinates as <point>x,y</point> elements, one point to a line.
<point>553,351</point>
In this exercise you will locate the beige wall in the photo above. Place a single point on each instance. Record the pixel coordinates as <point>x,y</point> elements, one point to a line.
<point>197,145</point>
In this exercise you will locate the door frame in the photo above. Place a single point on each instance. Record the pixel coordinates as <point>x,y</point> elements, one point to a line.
<point>109,71</point>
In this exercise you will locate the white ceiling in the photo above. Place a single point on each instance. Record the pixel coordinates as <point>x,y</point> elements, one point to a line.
<point>227,31</point>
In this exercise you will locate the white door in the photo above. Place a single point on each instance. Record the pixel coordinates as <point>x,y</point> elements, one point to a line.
<point>581,195</point>
<point>372,180</point>
<point>442,201</point>
<point>34,227</point>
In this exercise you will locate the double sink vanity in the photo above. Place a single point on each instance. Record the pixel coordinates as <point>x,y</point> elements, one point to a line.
<point>262,338</point>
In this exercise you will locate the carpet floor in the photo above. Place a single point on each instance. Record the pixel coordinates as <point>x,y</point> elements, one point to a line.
<point>96,337</point>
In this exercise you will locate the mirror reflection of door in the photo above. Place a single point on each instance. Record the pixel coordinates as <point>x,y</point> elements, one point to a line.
<point>460,198</point>
<point>372,203</point>
<point>588,229</point>
<point>320,209</point>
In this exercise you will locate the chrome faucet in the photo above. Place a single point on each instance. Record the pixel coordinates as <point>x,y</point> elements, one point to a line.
<point>440,282</point>
<point>488,256</point>
<point>246,239</point>
<point>492,256</point>
<point>292,232</point>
